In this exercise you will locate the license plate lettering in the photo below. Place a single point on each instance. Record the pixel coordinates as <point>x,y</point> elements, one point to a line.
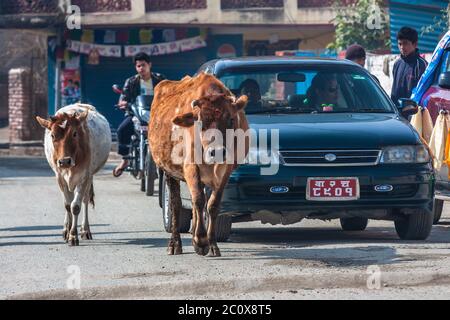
<point>332,189</point>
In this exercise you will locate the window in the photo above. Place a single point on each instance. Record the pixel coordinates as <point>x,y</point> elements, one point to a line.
<point>286,89</point>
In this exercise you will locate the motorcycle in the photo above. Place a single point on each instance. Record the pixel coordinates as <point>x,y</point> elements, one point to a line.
<point>140,162</point>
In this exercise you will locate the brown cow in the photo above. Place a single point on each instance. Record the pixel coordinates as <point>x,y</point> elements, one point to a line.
<point>177,105</point>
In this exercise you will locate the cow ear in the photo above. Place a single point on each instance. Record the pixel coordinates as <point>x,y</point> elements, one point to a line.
<point>44,123</point>
<point>241,103</point>
<point>186,120</point>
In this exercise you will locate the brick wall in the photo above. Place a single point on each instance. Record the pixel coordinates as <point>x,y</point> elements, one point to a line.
<point>22,124</point>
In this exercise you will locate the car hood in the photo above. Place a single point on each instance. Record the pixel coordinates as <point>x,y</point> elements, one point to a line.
<point>338,130</point>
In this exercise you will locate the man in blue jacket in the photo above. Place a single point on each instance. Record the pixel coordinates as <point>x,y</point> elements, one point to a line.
<point>410,67</point>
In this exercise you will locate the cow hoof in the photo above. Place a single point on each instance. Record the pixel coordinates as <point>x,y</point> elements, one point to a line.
<point>86,235</point>
<point>74,242</point>
<point>201,249</point>
<point>214,251</point>
<point>65,235</point>
<point>174,247</point>
<point>178,250</point>
<point>173,251</point>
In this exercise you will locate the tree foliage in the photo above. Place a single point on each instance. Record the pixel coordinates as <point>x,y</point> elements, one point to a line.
<point>364,22</point>
<point>441,22</point>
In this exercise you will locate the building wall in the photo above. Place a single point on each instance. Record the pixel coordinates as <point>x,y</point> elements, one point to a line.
<point>418,15</point>
<point>210,12</point>
<point>15,54</point>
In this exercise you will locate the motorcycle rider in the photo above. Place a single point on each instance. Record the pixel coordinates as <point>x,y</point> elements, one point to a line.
<point>141,84</point>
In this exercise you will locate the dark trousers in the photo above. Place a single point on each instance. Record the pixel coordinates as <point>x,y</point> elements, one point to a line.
<point>124,133</point>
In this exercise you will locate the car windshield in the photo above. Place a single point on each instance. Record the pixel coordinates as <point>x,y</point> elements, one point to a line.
<point>307,90</point>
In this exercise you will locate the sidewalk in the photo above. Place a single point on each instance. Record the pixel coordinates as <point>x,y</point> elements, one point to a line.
<point>26,148</point>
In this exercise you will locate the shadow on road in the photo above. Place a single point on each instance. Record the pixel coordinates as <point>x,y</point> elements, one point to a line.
<point>312,236</point>
<point>149,242</point>
<point>26,232</point>
<point>297,247</point>
<point>23,167</point>
<point>19,167</point>
<point>42,228</point>
<point>334,257</point>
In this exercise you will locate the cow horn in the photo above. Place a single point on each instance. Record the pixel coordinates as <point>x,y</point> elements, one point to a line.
<point>63,125</point>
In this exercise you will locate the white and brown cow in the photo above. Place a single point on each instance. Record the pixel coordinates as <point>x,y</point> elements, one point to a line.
<point>77,145</point>
<point>177,105</point>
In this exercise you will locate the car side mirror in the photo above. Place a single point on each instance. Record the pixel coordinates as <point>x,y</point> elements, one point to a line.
<point>407,107</point>
<point>444,80</point>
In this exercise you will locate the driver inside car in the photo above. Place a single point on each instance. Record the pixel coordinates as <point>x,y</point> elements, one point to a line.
<point>323,94</point>
<point>250,88</point>
<point>140,84</point>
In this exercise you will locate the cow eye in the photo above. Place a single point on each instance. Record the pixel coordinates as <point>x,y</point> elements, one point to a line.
<point>53,136</point>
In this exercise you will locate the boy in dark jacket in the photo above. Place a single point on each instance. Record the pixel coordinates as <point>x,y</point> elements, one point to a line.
<point>409,68</point>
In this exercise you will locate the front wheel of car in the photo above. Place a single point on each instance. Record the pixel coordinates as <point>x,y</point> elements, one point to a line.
<point>185,214</point>
<point>415,226</point>
<point>437,209</point>
<point>223,226</point>
<point>354,224</point>
<point>150,175</point>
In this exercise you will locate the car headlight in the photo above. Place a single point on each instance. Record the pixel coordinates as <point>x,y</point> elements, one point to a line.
<point>261,157</point>
<point>405,154</point>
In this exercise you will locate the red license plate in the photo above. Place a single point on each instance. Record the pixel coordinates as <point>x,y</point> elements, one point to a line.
<point>332,189</point>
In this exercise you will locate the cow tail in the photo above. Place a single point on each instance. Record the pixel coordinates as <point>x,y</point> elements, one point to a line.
<point>91,196</point>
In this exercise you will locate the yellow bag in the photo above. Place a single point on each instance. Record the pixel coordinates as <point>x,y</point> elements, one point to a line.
<point>438,141</point>
<point>423,124</point>
<point>417,123</point>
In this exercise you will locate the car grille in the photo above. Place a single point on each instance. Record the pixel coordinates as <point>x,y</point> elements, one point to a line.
<point>367,192</point>
<point>318,158</point>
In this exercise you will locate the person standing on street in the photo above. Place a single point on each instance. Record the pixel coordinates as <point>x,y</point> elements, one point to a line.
<point>357,54</point>
<point>409,68</point>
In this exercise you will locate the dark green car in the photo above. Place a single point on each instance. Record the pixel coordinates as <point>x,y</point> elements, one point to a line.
<point>339,149</point>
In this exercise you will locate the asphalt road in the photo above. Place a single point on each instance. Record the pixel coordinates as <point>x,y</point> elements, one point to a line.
<point>127,258</point>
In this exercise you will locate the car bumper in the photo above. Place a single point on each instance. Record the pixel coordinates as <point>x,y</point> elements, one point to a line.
<point>249,192</point>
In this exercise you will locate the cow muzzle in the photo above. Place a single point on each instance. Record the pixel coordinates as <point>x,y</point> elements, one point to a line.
<point>66,162</point>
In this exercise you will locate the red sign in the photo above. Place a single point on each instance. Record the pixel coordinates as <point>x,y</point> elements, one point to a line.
<point>332,189</point>
<point>226,51</point>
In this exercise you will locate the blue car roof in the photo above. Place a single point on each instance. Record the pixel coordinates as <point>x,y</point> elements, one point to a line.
<point>231,63</point>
